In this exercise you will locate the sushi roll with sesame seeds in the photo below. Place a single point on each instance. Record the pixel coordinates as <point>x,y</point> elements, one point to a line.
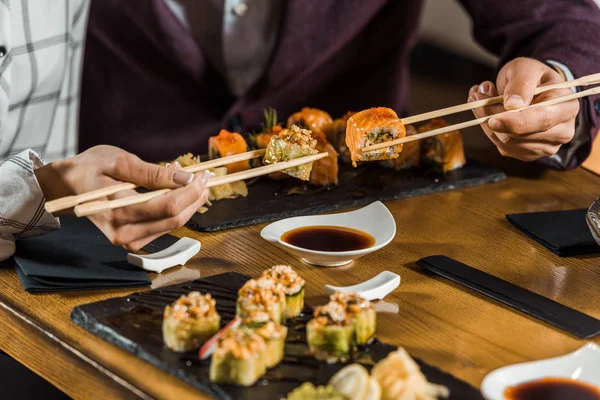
<point>330,334</point>
<point>293,286</point>
<point>273,334</point>
<point>189,322</point>
<point>239,358</point>
<point>262,294</point>
<point>362,314</point>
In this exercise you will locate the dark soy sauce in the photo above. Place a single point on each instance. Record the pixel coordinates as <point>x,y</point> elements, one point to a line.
<point>553,389</point>
<point>328,238</point>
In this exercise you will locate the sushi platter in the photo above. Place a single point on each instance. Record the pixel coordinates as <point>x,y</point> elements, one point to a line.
<point>135,323</point>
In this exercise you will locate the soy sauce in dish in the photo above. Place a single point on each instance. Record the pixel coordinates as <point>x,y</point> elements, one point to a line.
<point>328,238</point>
<point>553,389</point>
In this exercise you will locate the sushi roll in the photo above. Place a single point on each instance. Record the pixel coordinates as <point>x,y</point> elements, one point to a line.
<point>311,118</point>
<point>337,137</point>
<point>330,334</point>
<point>324,171</point>
<point>293,286</point>
<point>273,334</point>
<point>444,151</point>
<point>227,144</point>
<point>372,126</point>
<point>290,144</point>
<point>410,155</point>
<point>189,322</point>
<point>362,313</point>
<point>262,294</point>
<point>239,358</point>
<point>261,140</point>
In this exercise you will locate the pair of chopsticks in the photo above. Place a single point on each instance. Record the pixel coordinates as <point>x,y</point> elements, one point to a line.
<point>583,81</point>
<point>83,204</point>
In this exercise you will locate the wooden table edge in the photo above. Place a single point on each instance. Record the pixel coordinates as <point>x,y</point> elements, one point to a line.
<point>99,377</point>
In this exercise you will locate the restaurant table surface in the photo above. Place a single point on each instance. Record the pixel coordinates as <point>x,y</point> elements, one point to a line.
<point>446,325</point>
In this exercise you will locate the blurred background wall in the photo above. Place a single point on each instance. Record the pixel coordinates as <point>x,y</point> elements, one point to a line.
<point>446,24</point>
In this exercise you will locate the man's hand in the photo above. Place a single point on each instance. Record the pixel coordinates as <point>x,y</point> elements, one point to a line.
<point>530,134</point>
<point>134,226</point>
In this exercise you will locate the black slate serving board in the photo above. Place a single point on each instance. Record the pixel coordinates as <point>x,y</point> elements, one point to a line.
<point>134,324</point>
<point>269,200</point>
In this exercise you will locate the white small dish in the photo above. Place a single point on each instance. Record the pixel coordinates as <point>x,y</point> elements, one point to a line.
<point>375,288</point>
<point>177,254</point>
<point>582,365</point>
<point>374,219</point>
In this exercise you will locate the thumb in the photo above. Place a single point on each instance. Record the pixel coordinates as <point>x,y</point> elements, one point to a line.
<point>130,168</point>
<point>520,82</point>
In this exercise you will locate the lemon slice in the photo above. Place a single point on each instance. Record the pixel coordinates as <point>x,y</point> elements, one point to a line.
<point>351,381</point>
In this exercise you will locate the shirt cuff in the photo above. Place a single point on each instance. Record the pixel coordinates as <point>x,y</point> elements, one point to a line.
<point>22,212</point>
<point>568,74</point>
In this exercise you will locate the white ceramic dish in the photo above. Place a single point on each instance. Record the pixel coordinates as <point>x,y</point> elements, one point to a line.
<point>582,365</point>
<point>374,219</point>
<point>375,288</point>
<point>177,254</point>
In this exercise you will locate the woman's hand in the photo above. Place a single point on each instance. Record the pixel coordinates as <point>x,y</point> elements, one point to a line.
<point>530,134</point>
<point>134,226</point>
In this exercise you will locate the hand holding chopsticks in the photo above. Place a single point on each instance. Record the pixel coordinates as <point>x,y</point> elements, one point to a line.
<point>583,81</point>
<point>105,205</point>
<point>65,203</point>
<point>592,79</point>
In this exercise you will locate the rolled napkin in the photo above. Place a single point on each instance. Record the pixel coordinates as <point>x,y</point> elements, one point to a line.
<point>564,233</point>
<point>78,257</point>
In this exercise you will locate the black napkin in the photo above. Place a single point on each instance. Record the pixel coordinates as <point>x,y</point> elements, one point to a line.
<point>78,257</point>
<point>564,233</point>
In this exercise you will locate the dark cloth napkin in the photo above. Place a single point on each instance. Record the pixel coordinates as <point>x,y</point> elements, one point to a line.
<point>564,233</point>
<point>78,257</point>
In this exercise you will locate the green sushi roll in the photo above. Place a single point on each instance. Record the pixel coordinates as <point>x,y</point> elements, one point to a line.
<point>239,358</point>
<point>362,313</point>
<point>290,144</point>
<point>262,294</point>
<point>273,334</point>
<point>330,334</point>
<point>293,286</point>
<point>189,322</point>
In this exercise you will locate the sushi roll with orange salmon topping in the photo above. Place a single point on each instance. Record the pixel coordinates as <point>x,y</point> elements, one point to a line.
<point>373,126</point>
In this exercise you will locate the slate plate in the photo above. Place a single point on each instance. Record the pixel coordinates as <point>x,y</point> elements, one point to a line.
<point>269,200</point>
<point>134,324</point>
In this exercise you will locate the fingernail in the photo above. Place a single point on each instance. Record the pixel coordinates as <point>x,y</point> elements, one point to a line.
<point>177,165</point>
<point>514,101</point>
<point>206,176</point>
<point>168,165</point>
<point>183,178</point>
<point>494,124</point>
<point>485,88</point>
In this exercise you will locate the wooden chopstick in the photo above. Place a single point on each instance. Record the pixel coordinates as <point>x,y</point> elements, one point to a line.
<point>71,201</point>
<point>478,121</point>
<point>583,81</point>
<point>96,207</point>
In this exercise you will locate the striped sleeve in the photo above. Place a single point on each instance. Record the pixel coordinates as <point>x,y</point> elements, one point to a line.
<point>22,211</point>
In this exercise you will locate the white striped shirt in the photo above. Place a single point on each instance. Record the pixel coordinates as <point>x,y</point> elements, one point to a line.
<point>41,45</point>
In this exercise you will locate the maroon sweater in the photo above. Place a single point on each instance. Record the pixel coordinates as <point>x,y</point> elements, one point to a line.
<point>148,88</point>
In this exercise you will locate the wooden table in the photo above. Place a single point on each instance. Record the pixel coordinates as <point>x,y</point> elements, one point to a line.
<point>445,324</point>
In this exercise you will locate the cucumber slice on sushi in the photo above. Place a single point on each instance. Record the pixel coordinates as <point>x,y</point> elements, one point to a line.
<point>289,144</point>
<point>361,312</point>
<point>189,322</point>
<point>239,358</point>
<point>262,294</point>
<point>293,286</point>
<point>273,334</point>
<point>330,334</point>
